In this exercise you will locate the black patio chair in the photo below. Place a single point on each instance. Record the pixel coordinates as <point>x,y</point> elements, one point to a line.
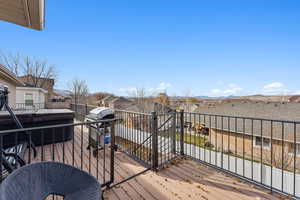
<point>12,158</point>
<point>39,180</point>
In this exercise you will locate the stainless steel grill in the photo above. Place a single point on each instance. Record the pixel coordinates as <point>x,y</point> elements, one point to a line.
<point>99,133</point>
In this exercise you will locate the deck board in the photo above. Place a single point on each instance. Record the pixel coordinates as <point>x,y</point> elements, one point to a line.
<point>181,179</point>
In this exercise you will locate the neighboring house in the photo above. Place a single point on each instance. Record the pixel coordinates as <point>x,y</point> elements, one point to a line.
<point>21,96</point>
<point>189,106</point>
<point>120,103</point>
<point>62,96</point>
<point>232,134</point>
<point>148,106</point>
<point>123,103</point>
<point>45,83</point>
<point>30,98</point>
<point>106,100</point>
<point>295,99</point>
<point>10,80</point>
<point>61,99</point>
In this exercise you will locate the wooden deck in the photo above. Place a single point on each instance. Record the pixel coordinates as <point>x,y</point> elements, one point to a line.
<point>181,179</point>
<point>184,179</point>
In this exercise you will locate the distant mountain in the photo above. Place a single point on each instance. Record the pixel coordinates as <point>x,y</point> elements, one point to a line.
<point>62,92</point>
<point>221,97</point>
<point>256,97</point>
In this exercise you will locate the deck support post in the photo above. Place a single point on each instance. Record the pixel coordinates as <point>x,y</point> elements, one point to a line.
<point>182,132</point>
<point>112,152</point>
<point>154,126</point>
<point>174,132</point>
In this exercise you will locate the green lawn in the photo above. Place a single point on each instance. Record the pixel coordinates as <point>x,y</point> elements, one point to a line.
<point>196,140</point>
<point>193,139</point>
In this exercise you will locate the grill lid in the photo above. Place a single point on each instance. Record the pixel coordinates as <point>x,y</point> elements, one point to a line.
<point>99,113</point>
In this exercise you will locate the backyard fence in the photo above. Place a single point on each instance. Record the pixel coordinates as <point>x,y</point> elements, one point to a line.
<point>263,151</point>
<point>149,138</point>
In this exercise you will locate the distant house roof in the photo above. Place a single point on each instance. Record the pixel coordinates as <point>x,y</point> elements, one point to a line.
<point>121,99</point>
<point>28,13</point>
<point>6,74</point>
<point>267,110</point>
<point>295,98</point>
<point>132,108</point>
<point>61,94</point>
<point>121,103</point>
<point>29,77</point>
<point>248,110</point>
<point>148,107</point>
<point>108,98</point>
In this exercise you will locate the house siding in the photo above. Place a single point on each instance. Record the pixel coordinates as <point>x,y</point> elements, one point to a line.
<point>46,84</point>
<point>242,145</point>
<point>38,96</point>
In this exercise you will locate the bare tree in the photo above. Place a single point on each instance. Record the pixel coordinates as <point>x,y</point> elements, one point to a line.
<point>32,71</point>
<point>94,99</point>
<point>163,99</point>
<point>189,101</point>
<point>38,72</point>
<point>79,89</point>
<point>12,61</point>
<point>142,98</point>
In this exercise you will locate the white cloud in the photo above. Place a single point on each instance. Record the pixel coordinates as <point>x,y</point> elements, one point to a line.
<point>128,90</point>
<point>162,87</point>
<point>275,88</point>
<point>216,91</point>
<point>273,85</point>
<point>231,89</point>
<point>297,93</point>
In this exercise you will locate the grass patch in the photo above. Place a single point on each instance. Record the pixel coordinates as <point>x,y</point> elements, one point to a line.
<point>196,140</point>
<point>193,139</point>
<point>139,151</point>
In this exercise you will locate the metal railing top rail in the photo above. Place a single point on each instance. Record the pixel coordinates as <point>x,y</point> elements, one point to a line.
<point>159,114</point>
<point>241,117</point>
<point>132,112</point>
<point>82,104</point>
<point>24,106</point>
<point>5,132</point>
<point>272,165</point>
<point>30,104</point>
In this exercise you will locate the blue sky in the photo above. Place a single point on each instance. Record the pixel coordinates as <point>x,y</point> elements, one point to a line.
<point>215,48</point>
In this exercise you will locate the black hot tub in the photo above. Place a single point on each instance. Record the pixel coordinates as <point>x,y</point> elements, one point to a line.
<point>39,118</point>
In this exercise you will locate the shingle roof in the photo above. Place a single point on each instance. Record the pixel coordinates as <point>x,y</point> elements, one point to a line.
<point>9,75</point>
<point>272,113</point>
<point>108,98</point>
